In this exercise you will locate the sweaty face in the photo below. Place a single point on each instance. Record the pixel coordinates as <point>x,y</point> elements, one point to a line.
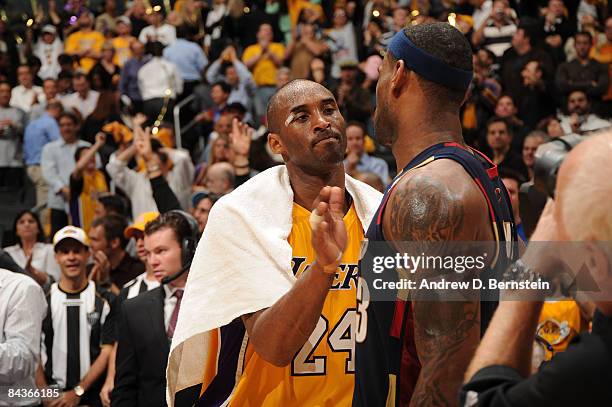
<point>578,103</point>
<point>498,137</point>
<point>382,116</point>
<point>311,128</point>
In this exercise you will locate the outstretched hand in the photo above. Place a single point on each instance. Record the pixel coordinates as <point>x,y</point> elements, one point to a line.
<point>329,236</point>
<point>240,137</point>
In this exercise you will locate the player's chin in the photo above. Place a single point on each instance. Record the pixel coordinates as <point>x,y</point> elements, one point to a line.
<point>331,156</point>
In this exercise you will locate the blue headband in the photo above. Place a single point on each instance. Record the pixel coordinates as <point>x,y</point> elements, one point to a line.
<point>428,66</point>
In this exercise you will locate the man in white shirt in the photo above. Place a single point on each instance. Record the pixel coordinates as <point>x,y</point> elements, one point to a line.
<point>12,122</point>
<point>482,11</point>
<point>22,310</point>
<point>173,164</point>
<point>26,94</point>
<point>158,30</point>
<point>580,119</point>
<point>84,99</point>
<point>47,49</point>
<point>158,79</point>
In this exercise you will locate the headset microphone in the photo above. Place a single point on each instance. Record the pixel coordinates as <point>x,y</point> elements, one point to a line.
<point>188,243</point>
<point>173,277</point>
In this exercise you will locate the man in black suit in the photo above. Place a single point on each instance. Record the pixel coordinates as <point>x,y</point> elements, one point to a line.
<point>148,321</point>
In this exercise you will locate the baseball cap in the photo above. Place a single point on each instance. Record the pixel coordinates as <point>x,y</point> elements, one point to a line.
<point>348,63</point>
<point>71,232</point>
<point>124,20</point>
<point>140,223</point>
<point>49,29</point>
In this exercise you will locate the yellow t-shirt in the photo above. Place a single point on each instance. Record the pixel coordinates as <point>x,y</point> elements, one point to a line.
<point>559,323</point>
<point>80,41</point>
<point>264,71</point>
<point>322,372</point>
<point>122,50</point>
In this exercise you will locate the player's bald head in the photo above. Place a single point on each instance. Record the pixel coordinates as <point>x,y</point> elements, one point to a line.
<point>583,186</point>
<point>287,96</point>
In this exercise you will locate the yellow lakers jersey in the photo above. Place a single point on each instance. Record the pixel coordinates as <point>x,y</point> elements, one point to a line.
<point>559,323</point>
<point>322,371</point>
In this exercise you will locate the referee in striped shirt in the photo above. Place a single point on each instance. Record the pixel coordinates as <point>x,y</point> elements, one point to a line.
<point>77,332</point>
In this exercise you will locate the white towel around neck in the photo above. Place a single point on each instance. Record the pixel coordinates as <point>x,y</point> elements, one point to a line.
<point>242,264</point>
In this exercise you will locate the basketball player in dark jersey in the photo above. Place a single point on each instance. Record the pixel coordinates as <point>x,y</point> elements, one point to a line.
<point>416,352</point>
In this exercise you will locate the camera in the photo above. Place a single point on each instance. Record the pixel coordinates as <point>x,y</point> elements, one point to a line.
<point>533,195</point>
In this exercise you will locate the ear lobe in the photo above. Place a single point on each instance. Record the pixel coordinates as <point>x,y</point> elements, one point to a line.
<point>274,143</point>
<point>399,78</point>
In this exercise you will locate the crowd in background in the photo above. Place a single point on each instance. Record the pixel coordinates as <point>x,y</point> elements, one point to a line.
<point>88,92</point>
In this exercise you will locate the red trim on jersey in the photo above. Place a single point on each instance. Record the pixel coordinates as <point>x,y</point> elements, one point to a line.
<point>491,172</point>
<point>398,318</point>
<point>491,212</point>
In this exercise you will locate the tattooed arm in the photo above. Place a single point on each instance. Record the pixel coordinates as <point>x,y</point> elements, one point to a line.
<point>436,204</point>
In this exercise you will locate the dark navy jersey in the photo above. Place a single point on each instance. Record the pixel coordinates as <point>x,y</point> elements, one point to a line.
<point>387,363</point>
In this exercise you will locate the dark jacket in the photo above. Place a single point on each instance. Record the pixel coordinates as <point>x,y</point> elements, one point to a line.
<point>142,352</point>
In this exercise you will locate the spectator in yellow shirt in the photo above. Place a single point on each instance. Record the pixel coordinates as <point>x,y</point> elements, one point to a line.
<point>121,43</point>
<point>263,59</point>
<point>85,43</point>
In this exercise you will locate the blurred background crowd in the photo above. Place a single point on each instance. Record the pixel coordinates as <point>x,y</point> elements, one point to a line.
<point>112,109</point>
<point>74,74</point>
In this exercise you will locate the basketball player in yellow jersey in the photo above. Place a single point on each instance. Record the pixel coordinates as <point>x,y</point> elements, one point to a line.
<point>321,373</point>
<point>300,350</point>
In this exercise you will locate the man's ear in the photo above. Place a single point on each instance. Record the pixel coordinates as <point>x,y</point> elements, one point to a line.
<point>399,78</point>
<point>115,243</point>
<point>276,146</point>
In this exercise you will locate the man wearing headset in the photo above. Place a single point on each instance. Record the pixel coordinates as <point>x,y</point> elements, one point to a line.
<point>147,322</point>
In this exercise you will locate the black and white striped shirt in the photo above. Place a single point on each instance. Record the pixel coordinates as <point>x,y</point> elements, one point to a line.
<point>138,285</point>
<point>75,328</point>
